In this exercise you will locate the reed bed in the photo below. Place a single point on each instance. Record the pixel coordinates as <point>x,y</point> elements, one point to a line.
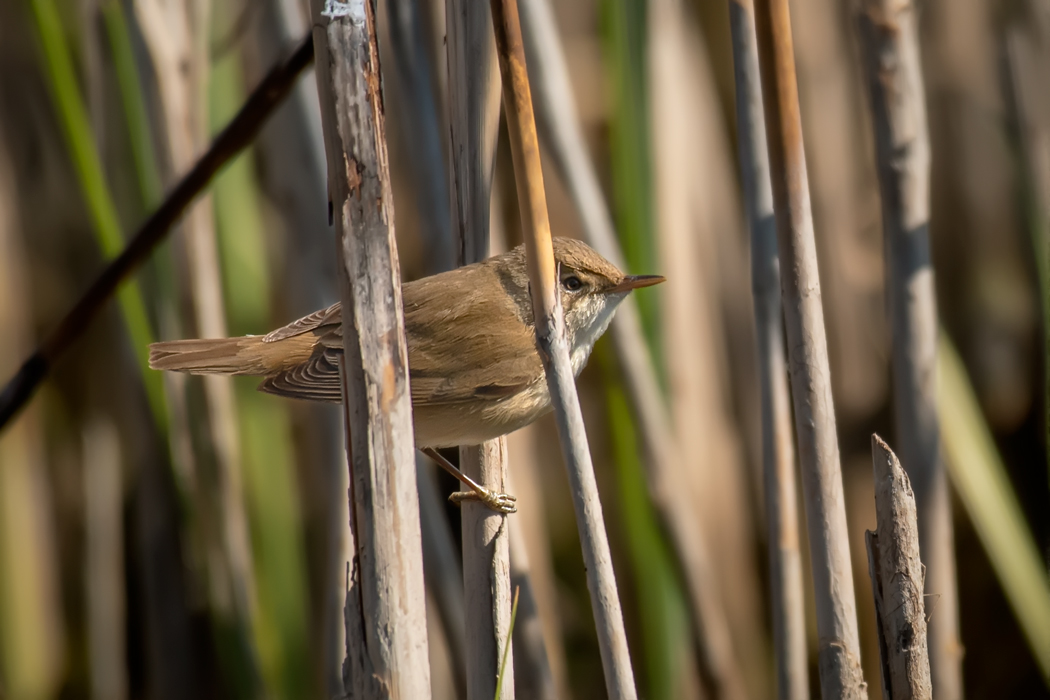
<point>163,536</point>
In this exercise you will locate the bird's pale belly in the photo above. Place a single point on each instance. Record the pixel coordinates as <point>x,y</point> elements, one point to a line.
<point>474,422</point>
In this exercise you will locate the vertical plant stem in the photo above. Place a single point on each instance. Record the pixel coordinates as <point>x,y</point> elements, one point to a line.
<point>554,351</point>
<point>839,652</point>
<point>386,603</point>
<point>897,580</point>
<point>176,35</point>
<point>889,35</point>
<point>422,130</point>
<point>473,95</point>
<point>556,113</point>
<point>778,451</point>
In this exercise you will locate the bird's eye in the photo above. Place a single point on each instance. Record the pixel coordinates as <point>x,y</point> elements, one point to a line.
<point>572,283</point>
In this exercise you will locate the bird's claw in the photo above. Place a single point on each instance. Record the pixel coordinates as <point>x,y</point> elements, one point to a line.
<point>499,502</point>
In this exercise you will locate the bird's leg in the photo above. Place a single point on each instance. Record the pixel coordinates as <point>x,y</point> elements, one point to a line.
<point>499,502</point>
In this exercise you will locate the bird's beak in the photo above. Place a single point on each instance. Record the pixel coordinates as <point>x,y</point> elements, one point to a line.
<point>631,282</point>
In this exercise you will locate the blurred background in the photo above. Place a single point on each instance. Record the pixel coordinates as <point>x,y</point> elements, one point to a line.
<point>167,537</point>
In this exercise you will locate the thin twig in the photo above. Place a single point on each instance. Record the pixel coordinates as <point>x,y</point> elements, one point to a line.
<point>839,652</point>
<point>234,138</point>
<point>889,34</point>
<point>897,581</point>
<point>554,351</point>
<point>386,636</point>
<point>778,451</point>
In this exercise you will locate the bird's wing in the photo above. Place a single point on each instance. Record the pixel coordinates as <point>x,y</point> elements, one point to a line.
<point>331,315</point>
<point>316,378</point>
<point>455,322</point>
<point>446,320</point>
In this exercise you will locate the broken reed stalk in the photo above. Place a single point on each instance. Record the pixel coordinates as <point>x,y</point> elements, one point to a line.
<point>556,112</point>
<point>385,615</point>
<point>778,450</point>
<point>240,132</point>
<point>554,352</point>
<point>897,580</point>
<point>474,103</point>
<point>889,40</point>
<point>836,605</point>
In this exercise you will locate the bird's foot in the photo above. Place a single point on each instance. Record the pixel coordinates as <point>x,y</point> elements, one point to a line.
<point>499,502</point>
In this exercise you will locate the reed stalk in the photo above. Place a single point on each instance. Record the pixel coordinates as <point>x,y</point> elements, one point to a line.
<point>836,606</point>
<point>554,351</point>
<point>385,611</point>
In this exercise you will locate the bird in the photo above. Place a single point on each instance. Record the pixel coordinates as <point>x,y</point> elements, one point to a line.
<point>474,369</point>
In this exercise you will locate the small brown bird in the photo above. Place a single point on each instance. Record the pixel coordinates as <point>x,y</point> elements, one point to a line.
<point>474,370</point>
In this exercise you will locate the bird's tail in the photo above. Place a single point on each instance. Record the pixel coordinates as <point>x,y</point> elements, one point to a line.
<point>245,355</point>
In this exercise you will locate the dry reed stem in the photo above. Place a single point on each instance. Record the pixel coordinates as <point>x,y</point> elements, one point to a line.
<point>176,35</point>
<point>557,116</point>
<point>778,450</point>
<point>473,95</point>
<point>839,652</point>
<point>387,653</point>
<point>889,36</point>
<point>897,581</point>
<point>554,351</point>
<point>422,130</point>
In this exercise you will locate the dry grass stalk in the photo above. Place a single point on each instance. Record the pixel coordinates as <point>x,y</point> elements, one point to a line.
<point>556,112</point>
<point>386,634</point>
<point>176,35</point>
<point>473,94</point>
<point>554,351</point>
<point>889,36</point>
<point>897,581</point>
<point>778,451</point>
<point>839,653</point>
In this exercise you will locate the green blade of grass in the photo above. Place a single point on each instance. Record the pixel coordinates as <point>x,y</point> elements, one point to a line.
<point>76,130</point>
<point>660,599</point>
<point>506,647</point>
<point>980,479</point>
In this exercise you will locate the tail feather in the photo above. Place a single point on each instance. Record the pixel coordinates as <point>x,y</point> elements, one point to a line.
<point>245,355</point>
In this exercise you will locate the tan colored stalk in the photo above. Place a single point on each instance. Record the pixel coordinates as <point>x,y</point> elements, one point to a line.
<point>554,351</point>
<point>897,581</point>
<point>836,606</point>
<point>385,612</point>
<point>778,450</point>
<point>889,33</point>
<point>176,35</point>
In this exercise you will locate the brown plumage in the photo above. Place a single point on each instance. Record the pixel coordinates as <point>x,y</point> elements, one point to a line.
<point>475,373</point>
